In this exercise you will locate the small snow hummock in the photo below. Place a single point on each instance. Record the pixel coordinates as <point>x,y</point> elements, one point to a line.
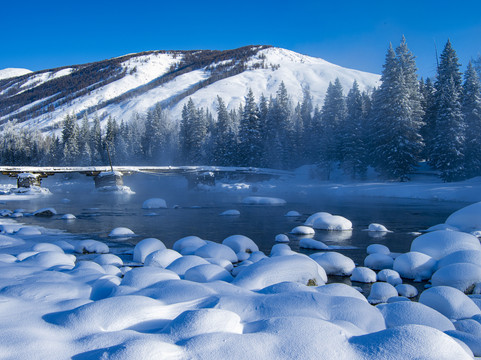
<point>450,302</point>
<point>188,245</point>
<point>145,247</point>
<point>438,244</point>
<point>378,261</point>
<point>68,217</point>
<point>377,227</point>
<point>281,238</point>
<point>364,275</point>
<point>334,263</point>
<point>292,213</point>
<point>231,212</point>
<point>45,212</point>
<point>326,221</point>
<point>240,243</point>
<point>91,247</point>
<point>415,265</point>
<point>161,258</point>
<point>262,200</point>
<point>461,276</point>
<point>154,203</point>
<point>378,249</point>
<point>381,292</point>
<point>207,273</point>
<point>121,232</point>
<point>28,231</point>
<point>467,219</point>
<point>307,243</point>
<point>303,230</point>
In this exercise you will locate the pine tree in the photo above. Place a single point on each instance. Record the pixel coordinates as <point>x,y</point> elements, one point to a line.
<point>224,136</point>
<point>447,151</point>
<point>95,143</point>
<point>193,130</point>
<point>471,109</point>
<point>398,117</point>
<point>333,113</point>
<point>70,140</point>
<point>250,140</point>
<point>429,119</point>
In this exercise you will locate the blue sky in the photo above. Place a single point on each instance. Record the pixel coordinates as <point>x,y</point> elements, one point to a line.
<point>45,34</point>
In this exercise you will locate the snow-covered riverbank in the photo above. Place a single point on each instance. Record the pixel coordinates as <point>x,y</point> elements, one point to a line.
<point>62,297</point>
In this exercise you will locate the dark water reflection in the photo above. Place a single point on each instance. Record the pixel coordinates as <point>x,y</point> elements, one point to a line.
<point>197,213</point>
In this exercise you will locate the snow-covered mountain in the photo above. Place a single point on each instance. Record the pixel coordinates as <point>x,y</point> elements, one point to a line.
<point>13,72</point>
<point>130,84</point>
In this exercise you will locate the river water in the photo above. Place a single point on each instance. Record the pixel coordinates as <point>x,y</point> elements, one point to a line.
<point>194,212</point>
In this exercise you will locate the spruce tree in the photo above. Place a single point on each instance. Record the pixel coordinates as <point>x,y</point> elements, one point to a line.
<point>398,115</point>
<point>250,140</point>
<point>448,151</point>
<point>471,109</point>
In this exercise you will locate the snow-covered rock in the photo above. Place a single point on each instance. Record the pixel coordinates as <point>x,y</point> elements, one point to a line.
<point>39,247</point>
<point>462,256</point>
<point>461,276</point>
<point>378,261</point>
<point>281,238</point>
<point>161,258</point>
<point>466,219</point>
<point>109,259</point>
<point>240,243</point>
<point>28,231</point>
<point>407,290</point>
<point>364,275</point>
<point>188,245</point>
<point>154,203</point>
<point>378,249</point>
<point>295,268</point>
<point>145,247</point>
<point>47,212</point>
<point>307,243</point>
<point>293,213</point>
<point>91,246</point>
<point>326,221</point>
<point>381,292</point>
<point>207,273</point>
<point>414,265</point>
<point>231,212</point>
<point>218,251</point>
<point>450,302</point>
<point>334,263</point>
<point>184,263</point>
<point>68,217</point>
<point>303,230</point>
<point>377,227</point>
<point>121,232</point>
<point>438,244</point>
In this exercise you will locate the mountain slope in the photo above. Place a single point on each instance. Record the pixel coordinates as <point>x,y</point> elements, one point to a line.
<point>130,84</point>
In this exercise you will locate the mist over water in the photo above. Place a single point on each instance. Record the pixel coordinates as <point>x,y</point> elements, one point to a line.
<point>196,212</point>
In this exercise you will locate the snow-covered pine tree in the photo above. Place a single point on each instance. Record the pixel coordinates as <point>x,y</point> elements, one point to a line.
<point>70,140</point>
<point>95,142</point>
<point>224,137</point>
<point>471,108</point>
<point>447,150</point>
<point>333,113</point>
<point>193,130</point>
<point>250,140</point>
<point>355,152</point>
<point>398,115</point>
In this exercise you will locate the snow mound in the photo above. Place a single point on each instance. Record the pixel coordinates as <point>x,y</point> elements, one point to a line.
<point>188,245</point>
<point>13,72</point>
<point>450,302</point>
<point>204,321</point>
<point>293,213</point>
<point>377,227</point>
<point>438,244</point>
<point>28,231</point>
<point>91,247</point>
<point>378,261</point>
<point>269,271</point>
<point>231,212</point>
<point>206,273</point>
<point>68,217</point>
<point>263,200</point>
<point>364,275</point>
<point>184,263</point>
<point>109,259</point>
<point>39,247</point>
<point>9,241</point>
<point>406,290</point>
<point>409,312</point>
<point>326,221</point>
<point>381,292</point>
<point>121,232</point>
<point>378,249</point>
<point>50,259</point>
<point>281,250</point>
<point>161,258</point>
<point>303,230</point>
<point>281,238</point>
<point>461,276</point>
<point>145,276</point>
<point>466,219</point>
<point>462,256</point>
<point>340,289</point>
<point>414,265</point>
<point>307,243</point>
<point>47,212</point>
<point>217,251</point>
<point>145,247</point>
<point>154,203</point>
<point>334,263</point>
<point>240,243</point>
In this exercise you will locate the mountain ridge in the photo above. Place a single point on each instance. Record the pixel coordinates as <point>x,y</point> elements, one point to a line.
<point>133,83</point>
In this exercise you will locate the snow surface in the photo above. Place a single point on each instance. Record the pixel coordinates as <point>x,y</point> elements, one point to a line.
<point>13,72</point>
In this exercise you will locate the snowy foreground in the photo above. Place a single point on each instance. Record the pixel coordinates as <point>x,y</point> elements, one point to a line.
<point>63,298</point>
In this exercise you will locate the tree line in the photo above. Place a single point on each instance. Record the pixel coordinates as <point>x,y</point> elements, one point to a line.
<point>391,129</point>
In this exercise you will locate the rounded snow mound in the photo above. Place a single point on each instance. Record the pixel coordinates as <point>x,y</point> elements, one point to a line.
<point>438,244</point>
<point>414,265</point>
<point>334,263</point>
<point>216,251</point>
<point>188,245</point>
<point>184,263</point>
<point>307,243</point>
<point>303,230</point>
<point>154,203</point>
<point>206,273</point>
<point>231,212</point>
<point>8,241</point>
<point>240,243</point>
<point>145,276</point>
<point>91,247</point>
<point>466,219</point>
<point>121,232</point>
<point>381,292</point>
<point>269,271</point>
<point>407,290</point>
<point>378,249</point>
<point>146,247</point>
<point>28,231</point>
<point>161,258</point>
<point>378,261</point>
<point>281,238</point>
<point>377,227</point>
<point>462,256</point>
<point>364,275</point>
<point>326,221</point>
<point>450,302</point>
<point>293,213</point>
<point>461,276</point>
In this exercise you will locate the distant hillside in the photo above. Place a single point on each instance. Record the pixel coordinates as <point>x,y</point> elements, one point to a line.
<point>134,83</point>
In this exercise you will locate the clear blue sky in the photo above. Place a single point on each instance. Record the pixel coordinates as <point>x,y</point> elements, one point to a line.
<point>45,34</point>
